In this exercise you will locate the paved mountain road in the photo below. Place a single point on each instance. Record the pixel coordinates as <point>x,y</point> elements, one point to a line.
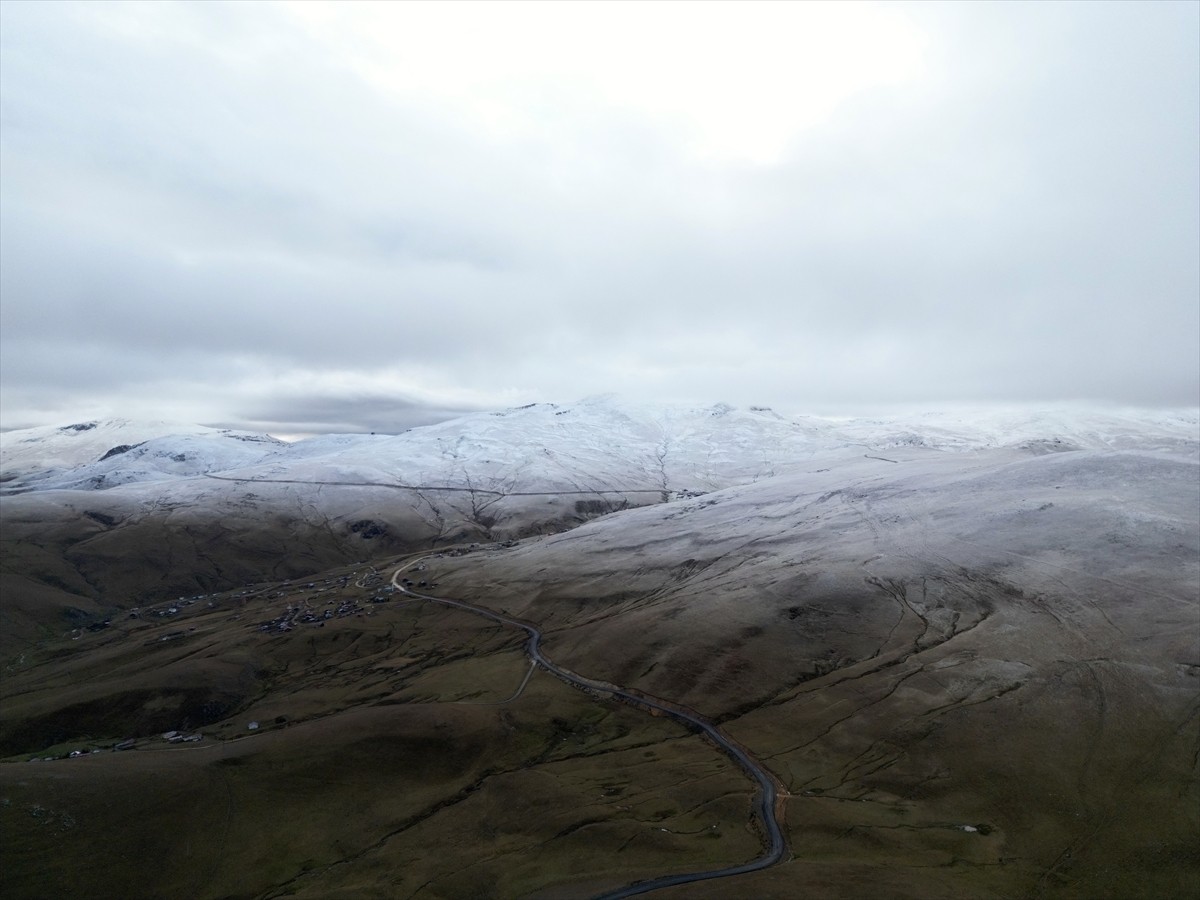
<point>768,788</point>
<point>434,487</point>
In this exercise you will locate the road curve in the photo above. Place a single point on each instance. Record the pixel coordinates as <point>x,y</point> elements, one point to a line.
<point>768,790</point>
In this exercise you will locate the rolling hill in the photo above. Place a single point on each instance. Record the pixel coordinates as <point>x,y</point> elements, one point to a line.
<point>966,647</point>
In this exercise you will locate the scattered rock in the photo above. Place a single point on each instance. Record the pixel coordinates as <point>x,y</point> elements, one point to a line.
<point>365,528</point>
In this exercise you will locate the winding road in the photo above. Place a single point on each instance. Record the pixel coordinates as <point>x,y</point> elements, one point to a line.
<point>397,486</point>
<point>768,793</point>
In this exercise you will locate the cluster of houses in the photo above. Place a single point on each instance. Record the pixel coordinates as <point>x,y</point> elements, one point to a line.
<point>408,583</point>
<point>92,751</point>
<point>173,608</point>
<point>74,754</point>
<point>303,613</point>
<point>464,551</point>
<point>179,737</point>
<point>294,615</point>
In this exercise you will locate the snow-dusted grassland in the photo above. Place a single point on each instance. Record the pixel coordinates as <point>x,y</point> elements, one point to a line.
<point>967,644</point>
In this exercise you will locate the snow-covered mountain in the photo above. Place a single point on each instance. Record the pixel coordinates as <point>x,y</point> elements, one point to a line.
<point>596,445</point>
<point>915,622</point>
<point>1050,429</point>
<point>115,510</point>
<point>101,454</point>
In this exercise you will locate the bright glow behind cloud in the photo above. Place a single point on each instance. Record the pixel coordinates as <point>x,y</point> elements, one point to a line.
<point>731,82</point>
<point>332,216</point>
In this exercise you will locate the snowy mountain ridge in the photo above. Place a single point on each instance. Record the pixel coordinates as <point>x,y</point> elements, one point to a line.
<point>957,618</point>
<point>595,444</point>
<point>105,453</point>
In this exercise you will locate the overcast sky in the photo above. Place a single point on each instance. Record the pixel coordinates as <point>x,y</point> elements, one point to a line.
<point>307,217</point>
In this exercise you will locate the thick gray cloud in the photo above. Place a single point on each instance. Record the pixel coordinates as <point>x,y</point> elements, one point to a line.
<point>310,413</point>
<point>225,213</point>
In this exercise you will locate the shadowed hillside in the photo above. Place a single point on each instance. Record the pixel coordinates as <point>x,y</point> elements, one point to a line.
<point>972,672</point>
